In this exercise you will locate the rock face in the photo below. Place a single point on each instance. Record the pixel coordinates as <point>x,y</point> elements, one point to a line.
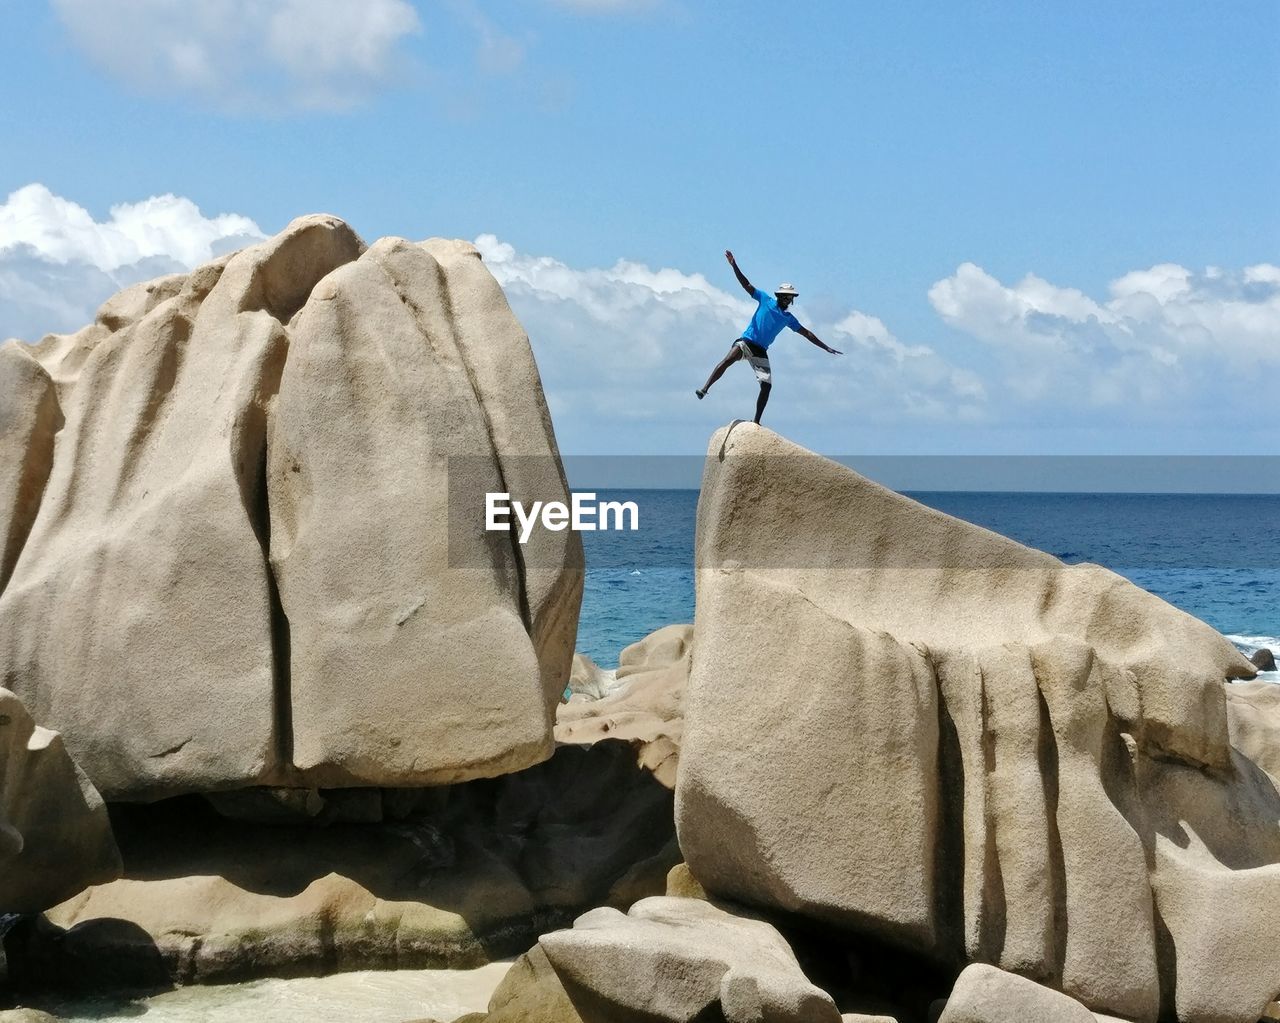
<point>643,705</point>
<point>29,418</point>
<point>242,570</point>
<point>984,994</point>
<point>1253,709</point>
<point>668,959</point>
<point>397,670</point>
<point>357,878</point>
<point>911,728</point>
<point>55,839</point>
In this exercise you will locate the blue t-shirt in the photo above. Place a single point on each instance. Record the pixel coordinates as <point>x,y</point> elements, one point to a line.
<point>768,321</point>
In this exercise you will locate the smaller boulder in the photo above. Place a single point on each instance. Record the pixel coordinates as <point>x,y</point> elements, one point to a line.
<point>55,838</point>
<point>984,994</point>
<point>532,993</point>
<point>682,959</point>
<point>1263,659</point>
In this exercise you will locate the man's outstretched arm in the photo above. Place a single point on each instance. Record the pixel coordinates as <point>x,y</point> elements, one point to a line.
<point>747,286</point>
<point>806,333</point>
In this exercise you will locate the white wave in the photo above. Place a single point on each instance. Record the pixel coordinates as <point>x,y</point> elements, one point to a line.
<point>1251,643</point>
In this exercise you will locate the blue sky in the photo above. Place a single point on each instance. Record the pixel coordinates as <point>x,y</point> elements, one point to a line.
<point>1033,228</point>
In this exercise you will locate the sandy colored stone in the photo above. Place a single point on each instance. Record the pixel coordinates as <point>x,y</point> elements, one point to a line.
<point>449,876</point>
<point>644,705</point>
<point>1108,956</point>
<point>30,416</point>
<point>419,653</point>
<point>501,363</point>
<point>984,994</point>
<point>138,621</point>
<point>663,646</point>
<point>26,1016</point>
<point>769,806</point>
<point>1216,884</point>
<point>55,838</point>
<point>883,557</point>
<point>531,992</point>
<point>240,565</point>
<point>64,355</point>
<point>682,884</point>
<point>1254,712</point>
<point>884,698</point>
<point>675,959</point>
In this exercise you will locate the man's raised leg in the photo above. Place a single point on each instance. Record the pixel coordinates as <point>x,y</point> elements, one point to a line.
<point>735,353</point>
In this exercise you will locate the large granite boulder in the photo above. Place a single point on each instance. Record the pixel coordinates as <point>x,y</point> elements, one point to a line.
<point>55,839</point>
<point>910,728</point>
<point>419,653</point>
<point>237,566</point>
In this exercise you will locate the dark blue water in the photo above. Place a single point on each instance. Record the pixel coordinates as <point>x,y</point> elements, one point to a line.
<point>1215,556</point>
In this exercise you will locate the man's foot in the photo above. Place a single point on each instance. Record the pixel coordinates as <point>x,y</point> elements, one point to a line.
<point>701,394</point>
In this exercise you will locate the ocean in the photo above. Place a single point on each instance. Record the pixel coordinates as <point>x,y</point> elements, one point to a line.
<point>1216,556</point>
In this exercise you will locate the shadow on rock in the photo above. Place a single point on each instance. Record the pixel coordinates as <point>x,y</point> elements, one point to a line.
<point>454,876</point>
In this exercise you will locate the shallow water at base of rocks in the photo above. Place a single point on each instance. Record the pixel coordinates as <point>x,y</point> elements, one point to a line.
<point>392,996</point>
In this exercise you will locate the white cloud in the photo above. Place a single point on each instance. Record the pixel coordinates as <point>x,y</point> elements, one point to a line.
<point>246,53</point>
<point>1164,335</point>
<point>632,343</point>
<point>58,264</point>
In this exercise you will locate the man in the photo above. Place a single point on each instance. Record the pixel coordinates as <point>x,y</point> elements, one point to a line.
<point>770,317</point>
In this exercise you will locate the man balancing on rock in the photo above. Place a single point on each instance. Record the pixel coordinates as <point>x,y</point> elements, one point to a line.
<point>770,317</point>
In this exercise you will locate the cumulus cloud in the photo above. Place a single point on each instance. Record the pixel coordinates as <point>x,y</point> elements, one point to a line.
<point>58,264</point>
<point>629,343</point>
<point>921,381</point>
<point>326,54</point>
<point>1163,332</point>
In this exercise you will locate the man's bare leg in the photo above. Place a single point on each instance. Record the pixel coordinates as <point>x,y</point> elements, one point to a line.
<point>762,400</point>
<point>735,353</point>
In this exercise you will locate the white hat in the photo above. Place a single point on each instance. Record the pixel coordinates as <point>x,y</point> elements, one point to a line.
<point>785,289</point>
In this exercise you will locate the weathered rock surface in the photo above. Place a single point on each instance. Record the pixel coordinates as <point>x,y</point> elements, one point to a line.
<point>914,729</point>
<point>667,959</point>
<point>30,416</point>
<point>419,653</point>
<point>55,838</point>
<point>1253,711</point>
<point>26,1016</point>
<point>984,994</point>
<point>447,876</point>
<point>644,705</point>
<point>237,565</point>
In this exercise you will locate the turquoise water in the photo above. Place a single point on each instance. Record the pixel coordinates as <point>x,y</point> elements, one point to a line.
<point>1215,556</point>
